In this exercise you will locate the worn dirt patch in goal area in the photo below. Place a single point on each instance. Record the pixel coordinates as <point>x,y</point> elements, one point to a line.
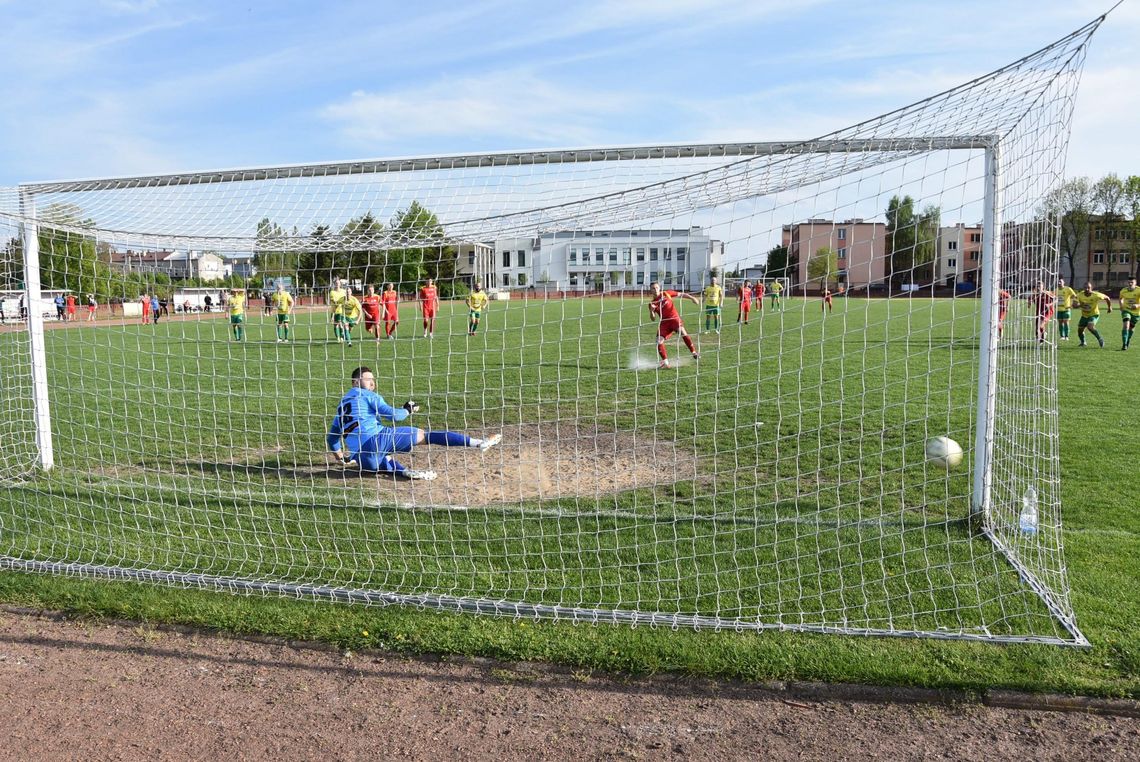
<point>535,462</point>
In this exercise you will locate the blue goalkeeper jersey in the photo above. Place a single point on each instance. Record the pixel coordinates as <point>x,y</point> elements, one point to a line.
<point>358,417</point>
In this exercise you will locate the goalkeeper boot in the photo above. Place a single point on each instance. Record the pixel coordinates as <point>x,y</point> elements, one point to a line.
<point>419,475</point>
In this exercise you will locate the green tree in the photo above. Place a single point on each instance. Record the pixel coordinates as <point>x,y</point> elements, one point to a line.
<point>273,254</point>
<point>363,257</point>
<point>1132,198</point>
<point>912,240</point>
<point>422,251</point>
<point>1070,207</point>
<point>68,258</point>
<point>777,262</point>
<point>823,266</point>
<point>316,263</point>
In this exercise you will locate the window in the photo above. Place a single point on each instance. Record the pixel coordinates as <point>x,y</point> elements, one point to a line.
<point>574,256</point>
<point>681,251</point>
<point>974,255</point>
<point>625,255</point>
<point>599,255</point>
<point>520,259</point>
<point>641,255</point>
<point>641,279</point>
<point>614,277</point>
<point>613,255</point>
<point>668,278</point>
<point>951,245</point>
<point>951,262</point>
<point>1098,258</point>
<point>842,234</point>
<point>1098,234</point>
<point>653,256</point>
<point>843,253</point>
<point>975,237</point>
<point>471,258</point>
<point>506,259</point>
<point>506,278</point>
<point>573,279</point>
<point>668,253</point>
<point>522,279</point>
<point>655,277</point>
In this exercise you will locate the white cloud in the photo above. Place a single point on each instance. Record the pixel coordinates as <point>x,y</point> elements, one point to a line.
<point>505,105</point>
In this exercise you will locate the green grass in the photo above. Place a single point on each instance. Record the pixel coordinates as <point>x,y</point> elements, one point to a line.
<point>180,450</point>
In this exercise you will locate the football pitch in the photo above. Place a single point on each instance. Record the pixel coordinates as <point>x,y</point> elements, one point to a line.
<point>779,480</point>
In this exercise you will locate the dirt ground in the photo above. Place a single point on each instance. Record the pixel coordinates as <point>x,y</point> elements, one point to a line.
<point>99,691</point>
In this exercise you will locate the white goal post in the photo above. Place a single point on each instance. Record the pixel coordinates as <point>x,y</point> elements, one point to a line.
<point>770,476</point>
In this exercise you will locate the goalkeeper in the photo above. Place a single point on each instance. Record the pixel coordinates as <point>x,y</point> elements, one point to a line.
<point>371,444</point>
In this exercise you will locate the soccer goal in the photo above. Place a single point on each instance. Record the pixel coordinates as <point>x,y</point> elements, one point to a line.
<point>773,476</point>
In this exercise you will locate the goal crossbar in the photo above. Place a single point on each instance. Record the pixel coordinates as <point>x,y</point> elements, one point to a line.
<point>521,158</point>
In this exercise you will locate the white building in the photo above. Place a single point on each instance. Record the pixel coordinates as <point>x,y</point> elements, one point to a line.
<point>596,260</point>
<point>612,260</point>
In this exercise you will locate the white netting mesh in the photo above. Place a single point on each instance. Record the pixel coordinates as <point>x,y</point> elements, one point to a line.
<point>778,481</point>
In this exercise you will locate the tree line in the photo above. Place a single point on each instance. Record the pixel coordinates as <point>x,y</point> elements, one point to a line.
<point>1076,205</point>
<point>408,250</point>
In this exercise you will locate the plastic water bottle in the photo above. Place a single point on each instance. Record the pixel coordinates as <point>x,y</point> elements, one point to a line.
<point>1028,520</point>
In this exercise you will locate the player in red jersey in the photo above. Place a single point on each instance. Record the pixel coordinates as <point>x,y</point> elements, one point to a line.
<point>827,306</point>
<point>745,296</point>
<point>145,308</point>
<point>71,300</point>
<point>1003,309</point>
<point>1043,303</point>
<point>390,299</point>
<point>662,306</point>
<point>429,303</point>
<point>758,294</point>
<point>370,305</point>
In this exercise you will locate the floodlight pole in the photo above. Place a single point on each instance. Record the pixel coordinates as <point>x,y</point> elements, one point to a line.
<point>987,371</point>
<point>31,239</point>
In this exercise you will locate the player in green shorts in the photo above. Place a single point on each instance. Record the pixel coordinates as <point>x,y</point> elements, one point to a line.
<point>1065,296</point>
<point>777,295</point>
<point>352,314</point>
<point>714,295</point>
<point>237,313</point>
<point>1129,312</point>
<point>337,296</point>
<point>1089,302</point>
<point>282,302</point>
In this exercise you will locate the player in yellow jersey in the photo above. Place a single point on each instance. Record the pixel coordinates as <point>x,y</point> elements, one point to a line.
<point>713,296</point>
<point>476,303</point>
<point>337,297</point>
<point>1089,302</point>
<point>1129,312</point>
<point>351,315</point>
<point>282,302</point>
<point>777,293</point>
<point>1065,296</point>
<point>237,313</point>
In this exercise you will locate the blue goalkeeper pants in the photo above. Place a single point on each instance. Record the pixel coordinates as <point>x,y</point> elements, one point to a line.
<point>374,453</point>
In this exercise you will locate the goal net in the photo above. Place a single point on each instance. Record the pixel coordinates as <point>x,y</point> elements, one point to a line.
<point>774,475</point>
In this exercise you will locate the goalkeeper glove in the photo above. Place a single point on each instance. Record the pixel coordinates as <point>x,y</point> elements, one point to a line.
<point>411,407</point>
<point>424,475</point>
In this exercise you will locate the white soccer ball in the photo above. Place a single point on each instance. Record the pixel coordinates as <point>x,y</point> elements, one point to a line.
<point>944,451</point>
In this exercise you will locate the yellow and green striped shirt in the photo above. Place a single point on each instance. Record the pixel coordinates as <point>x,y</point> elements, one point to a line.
<point>1130,299</point>
<point>713,296</point>
<point>1090,303</point>
<point>1065,297</point>
<point>477,301</point>
<point>336,300</point>
<point>237,305</point>
<point>283,301</point>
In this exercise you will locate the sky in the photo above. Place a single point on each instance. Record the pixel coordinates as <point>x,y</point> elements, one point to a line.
<point>118,87</point>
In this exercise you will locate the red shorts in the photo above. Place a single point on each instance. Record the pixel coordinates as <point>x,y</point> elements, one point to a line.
<point>1045,315</point>
<point>669,327</point>
<point>371,319</point>
<point>1001,315</point>
<point>70,310</point>
<point>391,316</point>
<point>746,306</point>
<point>429,313</point>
